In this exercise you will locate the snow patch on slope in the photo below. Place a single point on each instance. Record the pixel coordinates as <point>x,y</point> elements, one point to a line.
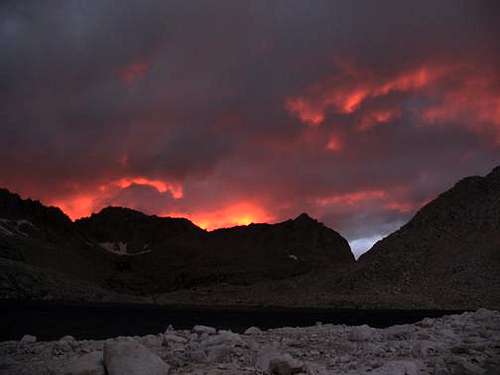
<point>4,230</point>
<point>121,248</point>
<point>14,227</point>
<point>115,247</point>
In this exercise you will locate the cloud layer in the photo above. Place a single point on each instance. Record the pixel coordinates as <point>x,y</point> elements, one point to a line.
<point>233,112</point>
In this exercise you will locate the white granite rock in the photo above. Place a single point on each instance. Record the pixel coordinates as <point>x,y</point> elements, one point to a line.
<point>397,368</point>
<point>151,340</point>
<point>132,358</point>
<point>253,331</point>
<point>223,338</point>
<point>455,344</point>
<point>273,362</point>
<point>88,364</point>
<point>361,333</point>
<point>171,338</point>
<point>27,339</point>
<point>200,329</point>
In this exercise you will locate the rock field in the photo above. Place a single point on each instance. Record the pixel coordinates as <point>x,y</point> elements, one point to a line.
<point>456,344</point>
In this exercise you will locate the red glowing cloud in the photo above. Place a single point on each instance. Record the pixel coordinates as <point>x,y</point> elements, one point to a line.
<point>447,94</point>
<point>334,144</point>
<point>346,92</point>
<point>377,117</point>
<point>132,72</point>
<point>242,212</point>
<point>79,204</point>
<point>391,199</point>
<point>405,206</point>
<point>161,186</point>
<point>351,198</point>
<point>306,112</point>
<point>474,103</point>
<point>352,118</point>
<point>462,94</point>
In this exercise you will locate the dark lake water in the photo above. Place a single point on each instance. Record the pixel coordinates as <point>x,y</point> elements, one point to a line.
<point>49,321</point>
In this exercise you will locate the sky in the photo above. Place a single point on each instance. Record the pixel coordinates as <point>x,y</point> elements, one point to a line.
<point>231,112</point>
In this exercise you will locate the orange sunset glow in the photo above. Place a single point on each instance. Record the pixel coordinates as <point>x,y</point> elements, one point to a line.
<point>239,113</point>
<point>233,173</point>
<point>76,207</point>
<point>241,213</point>
<point>131,73</point>
<point>345,93</point>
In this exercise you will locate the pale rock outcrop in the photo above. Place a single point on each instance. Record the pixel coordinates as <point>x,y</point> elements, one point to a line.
<point>465,344</point>
<point>88,364</point>
<point>152,340</point>
<point>219,347</point>
<point>361,333</point>
<point>253,331</point>
<point>397,368</point>
<point>223,338</point>
<point>132,358</point>
<point>65,344</point>
<point>201,329</point>
<point>272,362</point>
<point>173,339</point>
<point>27,339</point>
<point>399,332</point>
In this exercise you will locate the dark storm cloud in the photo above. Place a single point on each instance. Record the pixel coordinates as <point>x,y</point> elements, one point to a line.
<point>357,112</point>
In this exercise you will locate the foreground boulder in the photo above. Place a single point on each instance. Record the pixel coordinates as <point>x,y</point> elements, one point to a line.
<point>451,345</point>
<point>397,368</point>
<point>253,331</point>
<point>27,339</point>
<point>361,333</point>
<point>218,348</point>
<point>88,364</point>
<point>200,330</point>
<point>272,362</point>
<point>132,358</point>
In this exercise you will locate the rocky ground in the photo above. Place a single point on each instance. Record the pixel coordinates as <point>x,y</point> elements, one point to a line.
<point>456,344</point>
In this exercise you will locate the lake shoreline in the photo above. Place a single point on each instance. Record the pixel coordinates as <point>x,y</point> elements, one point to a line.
<point>50,320</point>
<point>461,343</point>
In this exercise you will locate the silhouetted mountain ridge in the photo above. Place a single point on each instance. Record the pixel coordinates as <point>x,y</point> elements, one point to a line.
<point>448,252</point>
<point>446,256</point>
<point>139,231</point>
<point>50,220</point>
<point>131,252</point>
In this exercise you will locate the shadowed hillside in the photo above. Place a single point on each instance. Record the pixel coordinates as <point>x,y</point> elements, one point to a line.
<point>130,252</point>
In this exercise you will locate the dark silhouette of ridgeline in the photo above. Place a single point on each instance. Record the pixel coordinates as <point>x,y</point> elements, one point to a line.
<point>448,253</point>
<point>129,252</point>
<point>446,256</point>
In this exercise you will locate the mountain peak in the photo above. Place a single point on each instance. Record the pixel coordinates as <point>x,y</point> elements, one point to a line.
<point>495,173</point>
<point>451,241</point>
<point>304,218</point>
<point>119,211</point>
<point>12,206</point>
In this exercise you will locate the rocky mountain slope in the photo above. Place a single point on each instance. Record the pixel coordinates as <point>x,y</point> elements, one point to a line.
<point>44,237</point>
<point>20,281</point>
<point>448,253</point>
<point>455,344</point>
<point>129,232</point>
<point>129,252</point>
<point>174,253</point>
<point>447,256</point>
